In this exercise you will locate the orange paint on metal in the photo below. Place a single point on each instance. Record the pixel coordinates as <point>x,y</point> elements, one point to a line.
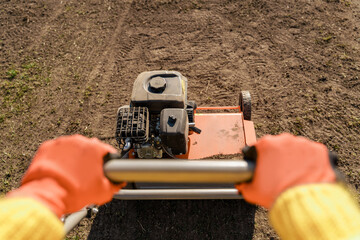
<point>250,136</point>
<point>131,154</point>
<point>219,108</point>
<point>221,133</point>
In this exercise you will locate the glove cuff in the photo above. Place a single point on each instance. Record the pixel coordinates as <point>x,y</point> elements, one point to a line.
<point>47,191</point>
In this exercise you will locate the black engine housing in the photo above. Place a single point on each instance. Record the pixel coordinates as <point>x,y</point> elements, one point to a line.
<point>174,129</point>
<point>158,118</point>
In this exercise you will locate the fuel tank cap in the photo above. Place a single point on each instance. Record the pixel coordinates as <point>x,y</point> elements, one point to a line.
<point>157,85</point>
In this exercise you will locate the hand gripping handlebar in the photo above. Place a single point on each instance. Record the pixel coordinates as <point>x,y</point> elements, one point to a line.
<point>117,170</point>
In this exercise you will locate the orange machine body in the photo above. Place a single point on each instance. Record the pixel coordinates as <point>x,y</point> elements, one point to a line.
<point>222,132</point>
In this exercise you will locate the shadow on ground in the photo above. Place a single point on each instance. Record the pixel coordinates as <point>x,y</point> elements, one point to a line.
<point>177,219</point>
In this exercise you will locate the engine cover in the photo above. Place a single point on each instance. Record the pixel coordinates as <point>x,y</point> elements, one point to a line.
<point>157,90</point>
<point>174,129</point>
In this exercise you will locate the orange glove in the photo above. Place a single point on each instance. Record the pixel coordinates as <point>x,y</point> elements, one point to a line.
<point>66,174</point>
<point>283,162</point>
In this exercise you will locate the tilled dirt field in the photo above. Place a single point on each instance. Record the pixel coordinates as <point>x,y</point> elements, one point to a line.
<point>66,66</point>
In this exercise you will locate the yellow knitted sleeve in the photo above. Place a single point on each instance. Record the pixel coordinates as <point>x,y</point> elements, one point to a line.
<point>25,218</point>
<point>316,211</point>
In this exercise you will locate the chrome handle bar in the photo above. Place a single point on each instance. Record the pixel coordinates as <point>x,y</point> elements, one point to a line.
<point>179,171</point>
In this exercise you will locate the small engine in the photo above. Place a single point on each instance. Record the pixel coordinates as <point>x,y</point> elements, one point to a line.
<point>159,116</point>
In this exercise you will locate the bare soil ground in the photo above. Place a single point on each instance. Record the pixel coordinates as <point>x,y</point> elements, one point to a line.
<point>66,66</point>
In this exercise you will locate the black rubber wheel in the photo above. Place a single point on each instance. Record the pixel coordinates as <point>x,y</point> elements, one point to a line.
<point>245,104</point>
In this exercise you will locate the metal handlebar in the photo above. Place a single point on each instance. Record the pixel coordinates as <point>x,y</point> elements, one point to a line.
<point>73,219</point>
<point>177,194</point>
<point>179,171</point>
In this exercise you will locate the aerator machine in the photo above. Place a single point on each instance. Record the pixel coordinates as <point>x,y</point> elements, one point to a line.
<point>164,139</point>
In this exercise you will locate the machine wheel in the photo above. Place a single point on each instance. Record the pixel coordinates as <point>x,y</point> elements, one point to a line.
<point>245,104</point>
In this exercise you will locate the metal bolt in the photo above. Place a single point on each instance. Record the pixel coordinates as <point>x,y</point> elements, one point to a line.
<point>94,210</point>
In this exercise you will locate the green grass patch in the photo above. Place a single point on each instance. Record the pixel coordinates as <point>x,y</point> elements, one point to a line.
<point>16,89</point>
<point>88,92</point>
<point>11,74</point>
<point>354,122</point>
<point>29,65</point>
<point>2,118</point>
<point>327,38</point>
